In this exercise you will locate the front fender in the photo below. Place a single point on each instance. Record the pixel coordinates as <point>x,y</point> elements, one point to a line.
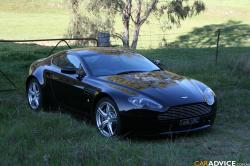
<point>37,74</point>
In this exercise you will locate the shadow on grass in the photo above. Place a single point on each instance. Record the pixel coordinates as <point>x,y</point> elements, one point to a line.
<point>233,34</point>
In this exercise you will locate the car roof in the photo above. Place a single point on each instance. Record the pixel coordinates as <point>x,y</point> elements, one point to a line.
<point>100,50</point>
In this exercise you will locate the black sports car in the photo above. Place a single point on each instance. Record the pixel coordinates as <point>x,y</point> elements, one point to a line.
<point>124,90</point>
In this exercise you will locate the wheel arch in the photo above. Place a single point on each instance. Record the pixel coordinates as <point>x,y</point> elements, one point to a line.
<point>99,97</point>
<point>28,80</point>
<point>38,76</point>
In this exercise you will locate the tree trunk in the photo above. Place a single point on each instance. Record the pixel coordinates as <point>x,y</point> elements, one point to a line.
<point>76,19</point>
<point>137,24</point>
<point>125,18</point>
<point>136,36</point>
<point>126,33</point>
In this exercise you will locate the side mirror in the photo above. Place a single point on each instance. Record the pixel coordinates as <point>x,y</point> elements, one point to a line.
<point>68,70</point>
<point>157,62</point>
<point>81,73</point>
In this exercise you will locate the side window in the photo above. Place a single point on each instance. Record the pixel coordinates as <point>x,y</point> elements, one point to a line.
<point>64,60</point>
<point>56,58</point>
<point>74,61</point>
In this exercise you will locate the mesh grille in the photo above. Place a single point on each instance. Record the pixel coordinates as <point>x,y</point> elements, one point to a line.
<point>187,111</point>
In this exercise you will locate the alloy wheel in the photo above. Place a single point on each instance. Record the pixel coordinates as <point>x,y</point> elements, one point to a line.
<point>34,95</point>
<point>106,119</point>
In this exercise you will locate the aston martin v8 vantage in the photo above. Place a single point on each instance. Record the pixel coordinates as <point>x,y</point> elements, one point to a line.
<point>123,90</point>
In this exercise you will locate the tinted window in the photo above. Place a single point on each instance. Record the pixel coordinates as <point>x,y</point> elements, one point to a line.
<point>74,61</point>
<point>56,58</point>
<point>63,61</point>
<point>103,64</point>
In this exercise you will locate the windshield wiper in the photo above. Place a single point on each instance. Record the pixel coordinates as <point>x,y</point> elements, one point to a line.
<point>127,72</point>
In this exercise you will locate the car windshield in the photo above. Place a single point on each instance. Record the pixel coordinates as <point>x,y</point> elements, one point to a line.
<point>111,64</point>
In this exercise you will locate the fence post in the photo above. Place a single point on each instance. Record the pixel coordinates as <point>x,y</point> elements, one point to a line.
<point>217,46</point>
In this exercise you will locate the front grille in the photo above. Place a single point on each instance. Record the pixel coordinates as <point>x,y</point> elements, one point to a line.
<point>186,111</point>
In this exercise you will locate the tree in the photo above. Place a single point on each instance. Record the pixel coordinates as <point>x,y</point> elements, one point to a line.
<point>86,24</point>
<point>75,23</point>
<point>134,12</point>
<point>137,12</point>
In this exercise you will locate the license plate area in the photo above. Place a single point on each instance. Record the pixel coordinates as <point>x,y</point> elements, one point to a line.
<point>190,121</point>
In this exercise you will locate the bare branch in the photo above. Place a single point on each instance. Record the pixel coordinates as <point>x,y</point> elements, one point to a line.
<point>132,19</point>
<point>121,5</point>
<point>118,36</point>
<point>117,10</point>
<point>138,12</point>
<point>148,11</point>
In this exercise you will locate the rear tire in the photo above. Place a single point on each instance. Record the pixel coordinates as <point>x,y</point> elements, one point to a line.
<point>107,118</point>
<point>34,95</point>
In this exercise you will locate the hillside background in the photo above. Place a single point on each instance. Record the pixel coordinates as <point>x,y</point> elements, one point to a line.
<point>31,19</point>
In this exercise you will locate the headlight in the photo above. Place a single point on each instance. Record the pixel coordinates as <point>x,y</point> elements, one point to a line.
<point>143,102</point>
<point>209,96</point>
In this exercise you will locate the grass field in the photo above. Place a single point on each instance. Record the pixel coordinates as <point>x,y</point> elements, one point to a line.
<point>55,138</point>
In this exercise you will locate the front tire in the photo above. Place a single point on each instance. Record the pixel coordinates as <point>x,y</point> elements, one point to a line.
<point>34,95</point>
<point>107,118</point>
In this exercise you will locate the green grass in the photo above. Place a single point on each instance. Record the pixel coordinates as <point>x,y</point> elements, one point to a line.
<point>56,138</point>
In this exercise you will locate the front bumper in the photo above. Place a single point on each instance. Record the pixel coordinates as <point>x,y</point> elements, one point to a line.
<point>146,122</point>
<point>187,130</point>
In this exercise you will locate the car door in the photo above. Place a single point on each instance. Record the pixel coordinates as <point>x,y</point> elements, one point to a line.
<point>69,88</point>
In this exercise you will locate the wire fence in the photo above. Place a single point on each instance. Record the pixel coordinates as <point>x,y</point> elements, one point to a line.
<point>11,50</point>
<point>211,36</point>
<point>207,37</point>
